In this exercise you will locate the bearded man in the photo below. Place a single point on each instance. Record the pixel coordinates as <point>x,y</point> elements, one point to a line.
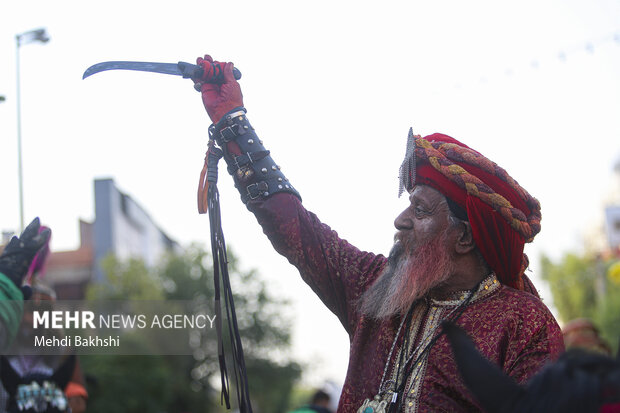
<point>458,256</point>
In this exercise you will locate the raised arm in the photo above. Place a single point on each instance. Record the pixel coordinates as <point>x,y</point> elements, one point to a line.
<point>336,271</point>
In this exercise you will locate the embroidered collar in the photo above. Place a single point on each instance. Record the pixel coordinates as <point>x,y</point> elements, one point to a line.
<point>487,286</point>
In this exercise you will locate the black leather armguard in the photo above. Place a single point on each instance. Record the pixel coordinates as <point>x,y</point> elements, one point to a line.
<point>255,173</point>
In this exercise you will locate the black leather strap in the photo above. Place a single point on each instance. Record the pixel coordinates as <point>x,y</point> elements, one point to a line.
<point>223,294</point>
<point>255,173</point>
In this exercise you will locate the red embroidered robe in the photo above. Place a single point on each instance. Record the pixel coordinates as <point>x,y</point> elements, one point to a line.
<point>514,329</point>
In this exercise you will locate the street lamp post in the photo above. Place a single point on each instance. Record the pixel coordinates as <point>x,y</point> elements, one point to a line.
<point>38,35</point>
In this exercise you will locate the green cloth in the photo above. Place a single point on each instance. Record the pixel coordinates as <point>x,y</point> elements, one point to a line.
<point>11,309</point>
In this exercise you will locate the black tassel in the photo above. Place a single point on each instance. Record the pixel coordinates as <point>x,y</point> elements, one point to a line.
<point>220,273</point>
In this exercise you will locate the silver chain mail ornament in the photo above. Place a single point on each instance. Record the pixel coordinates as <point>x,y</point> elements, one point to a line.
<point>406,173</point>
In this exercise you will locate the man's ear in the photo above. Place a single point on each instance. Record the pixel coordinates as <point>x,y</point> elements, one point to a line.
<point>465,240</point>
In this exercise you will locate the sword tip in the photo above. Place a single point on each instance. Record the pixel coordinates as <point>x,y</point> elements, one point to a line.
<point>88,72</point>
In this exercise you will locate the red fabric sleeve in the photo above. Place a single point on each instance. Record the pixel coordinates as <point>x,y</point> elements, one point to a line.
<point>336,271</point>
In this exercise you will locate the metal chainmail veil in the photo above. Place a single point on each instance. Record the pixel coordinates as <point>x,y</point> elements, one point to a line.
<point>407,168</point>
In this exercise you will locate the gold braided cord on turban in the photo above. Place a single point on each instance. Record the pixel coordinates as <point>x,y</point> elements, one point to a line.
<point>462,165</point>
<point>503,216</point>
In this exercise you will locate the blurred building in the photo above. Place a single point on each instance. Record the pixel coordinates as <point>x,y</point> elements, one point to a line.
<point>612,226</point>
<point>612,213</point>
<point>121,227</point>
<point>70,272</point>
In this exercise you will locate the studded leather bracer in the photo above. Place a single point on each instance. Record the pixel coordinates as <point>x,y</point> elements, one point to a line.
<point>255,173</point>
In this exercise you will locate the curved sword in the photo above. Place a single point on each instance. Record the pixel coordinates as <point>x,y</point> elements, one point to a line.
<point>187,70</point>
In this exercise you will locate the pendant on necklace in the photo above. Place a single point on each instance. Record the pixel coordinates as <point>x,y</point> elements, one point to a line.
<point>373,406</point>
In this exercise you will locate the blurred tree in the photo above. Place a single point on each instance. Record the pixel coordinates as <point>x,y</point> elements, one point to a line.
<point>129,280</point>
<point>264,330</point>
<point>191,383</point>
<point>580,287</point>
<point>127,383</point>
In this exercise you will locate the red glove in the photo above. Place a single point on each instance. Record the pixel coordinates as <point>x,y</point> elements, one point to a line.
<point>219,99</point>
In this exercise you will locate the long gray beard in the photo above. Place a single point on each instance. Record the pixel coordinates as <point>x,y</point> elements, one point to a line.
<point>406,278</point>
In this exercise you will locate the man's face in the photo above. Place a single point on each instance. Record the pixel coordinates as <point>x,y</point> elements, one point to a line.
<point>426,216</point>
<point>421,258</point>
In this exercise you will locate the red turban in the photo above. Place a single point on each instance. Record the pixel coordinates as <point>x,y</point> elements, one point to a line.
<point>502,215</point>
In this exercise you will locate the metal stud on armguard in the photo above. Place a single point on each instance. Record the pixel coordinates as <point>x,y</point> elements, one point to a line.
<point>231,126</point>
<point>255,173</point>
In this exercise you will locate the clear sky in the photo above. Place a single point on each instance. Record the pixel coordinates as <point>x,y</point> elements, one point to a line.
<point>332,88</point>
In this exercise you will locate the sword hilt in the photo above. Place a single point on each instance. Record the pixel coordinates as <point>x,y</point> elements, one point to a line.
<point>196,73</point>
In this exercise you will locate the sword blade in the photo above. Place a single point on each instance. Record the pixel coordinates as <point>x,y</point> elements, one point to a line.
<point>166,68</point>
<point>187,70</point>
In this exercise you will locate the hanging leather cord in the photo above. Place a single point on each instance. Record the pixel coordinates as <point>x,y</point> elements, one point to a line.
<point>220,274</point>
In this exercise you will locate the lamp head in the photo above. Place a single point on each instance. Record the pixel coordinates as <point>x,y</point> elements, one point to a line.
<point>41,36</point>
<point>37,35</point>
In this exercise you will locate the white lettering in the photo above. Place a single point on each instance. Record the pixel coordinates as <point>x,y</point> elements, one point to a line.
<point>96,341</point>
<point>198,318</point>
<point>42,341</point>
<point>87,319</point>
<point>75,319</point>
<point>63,319</point>
<point>41,318</point>
<point>57,319</point>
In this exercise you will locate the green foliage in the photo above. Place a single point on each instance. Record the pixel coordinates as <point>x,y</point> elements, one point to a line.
<point>301,396</point>
<point>572,283</point>
<point>272,376</point>
<point>191,383</point>
<point>608,317</point>
<point>261,324</point>
<point>129,280</point>
<point>580,288</point>
<point>131,384</point>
